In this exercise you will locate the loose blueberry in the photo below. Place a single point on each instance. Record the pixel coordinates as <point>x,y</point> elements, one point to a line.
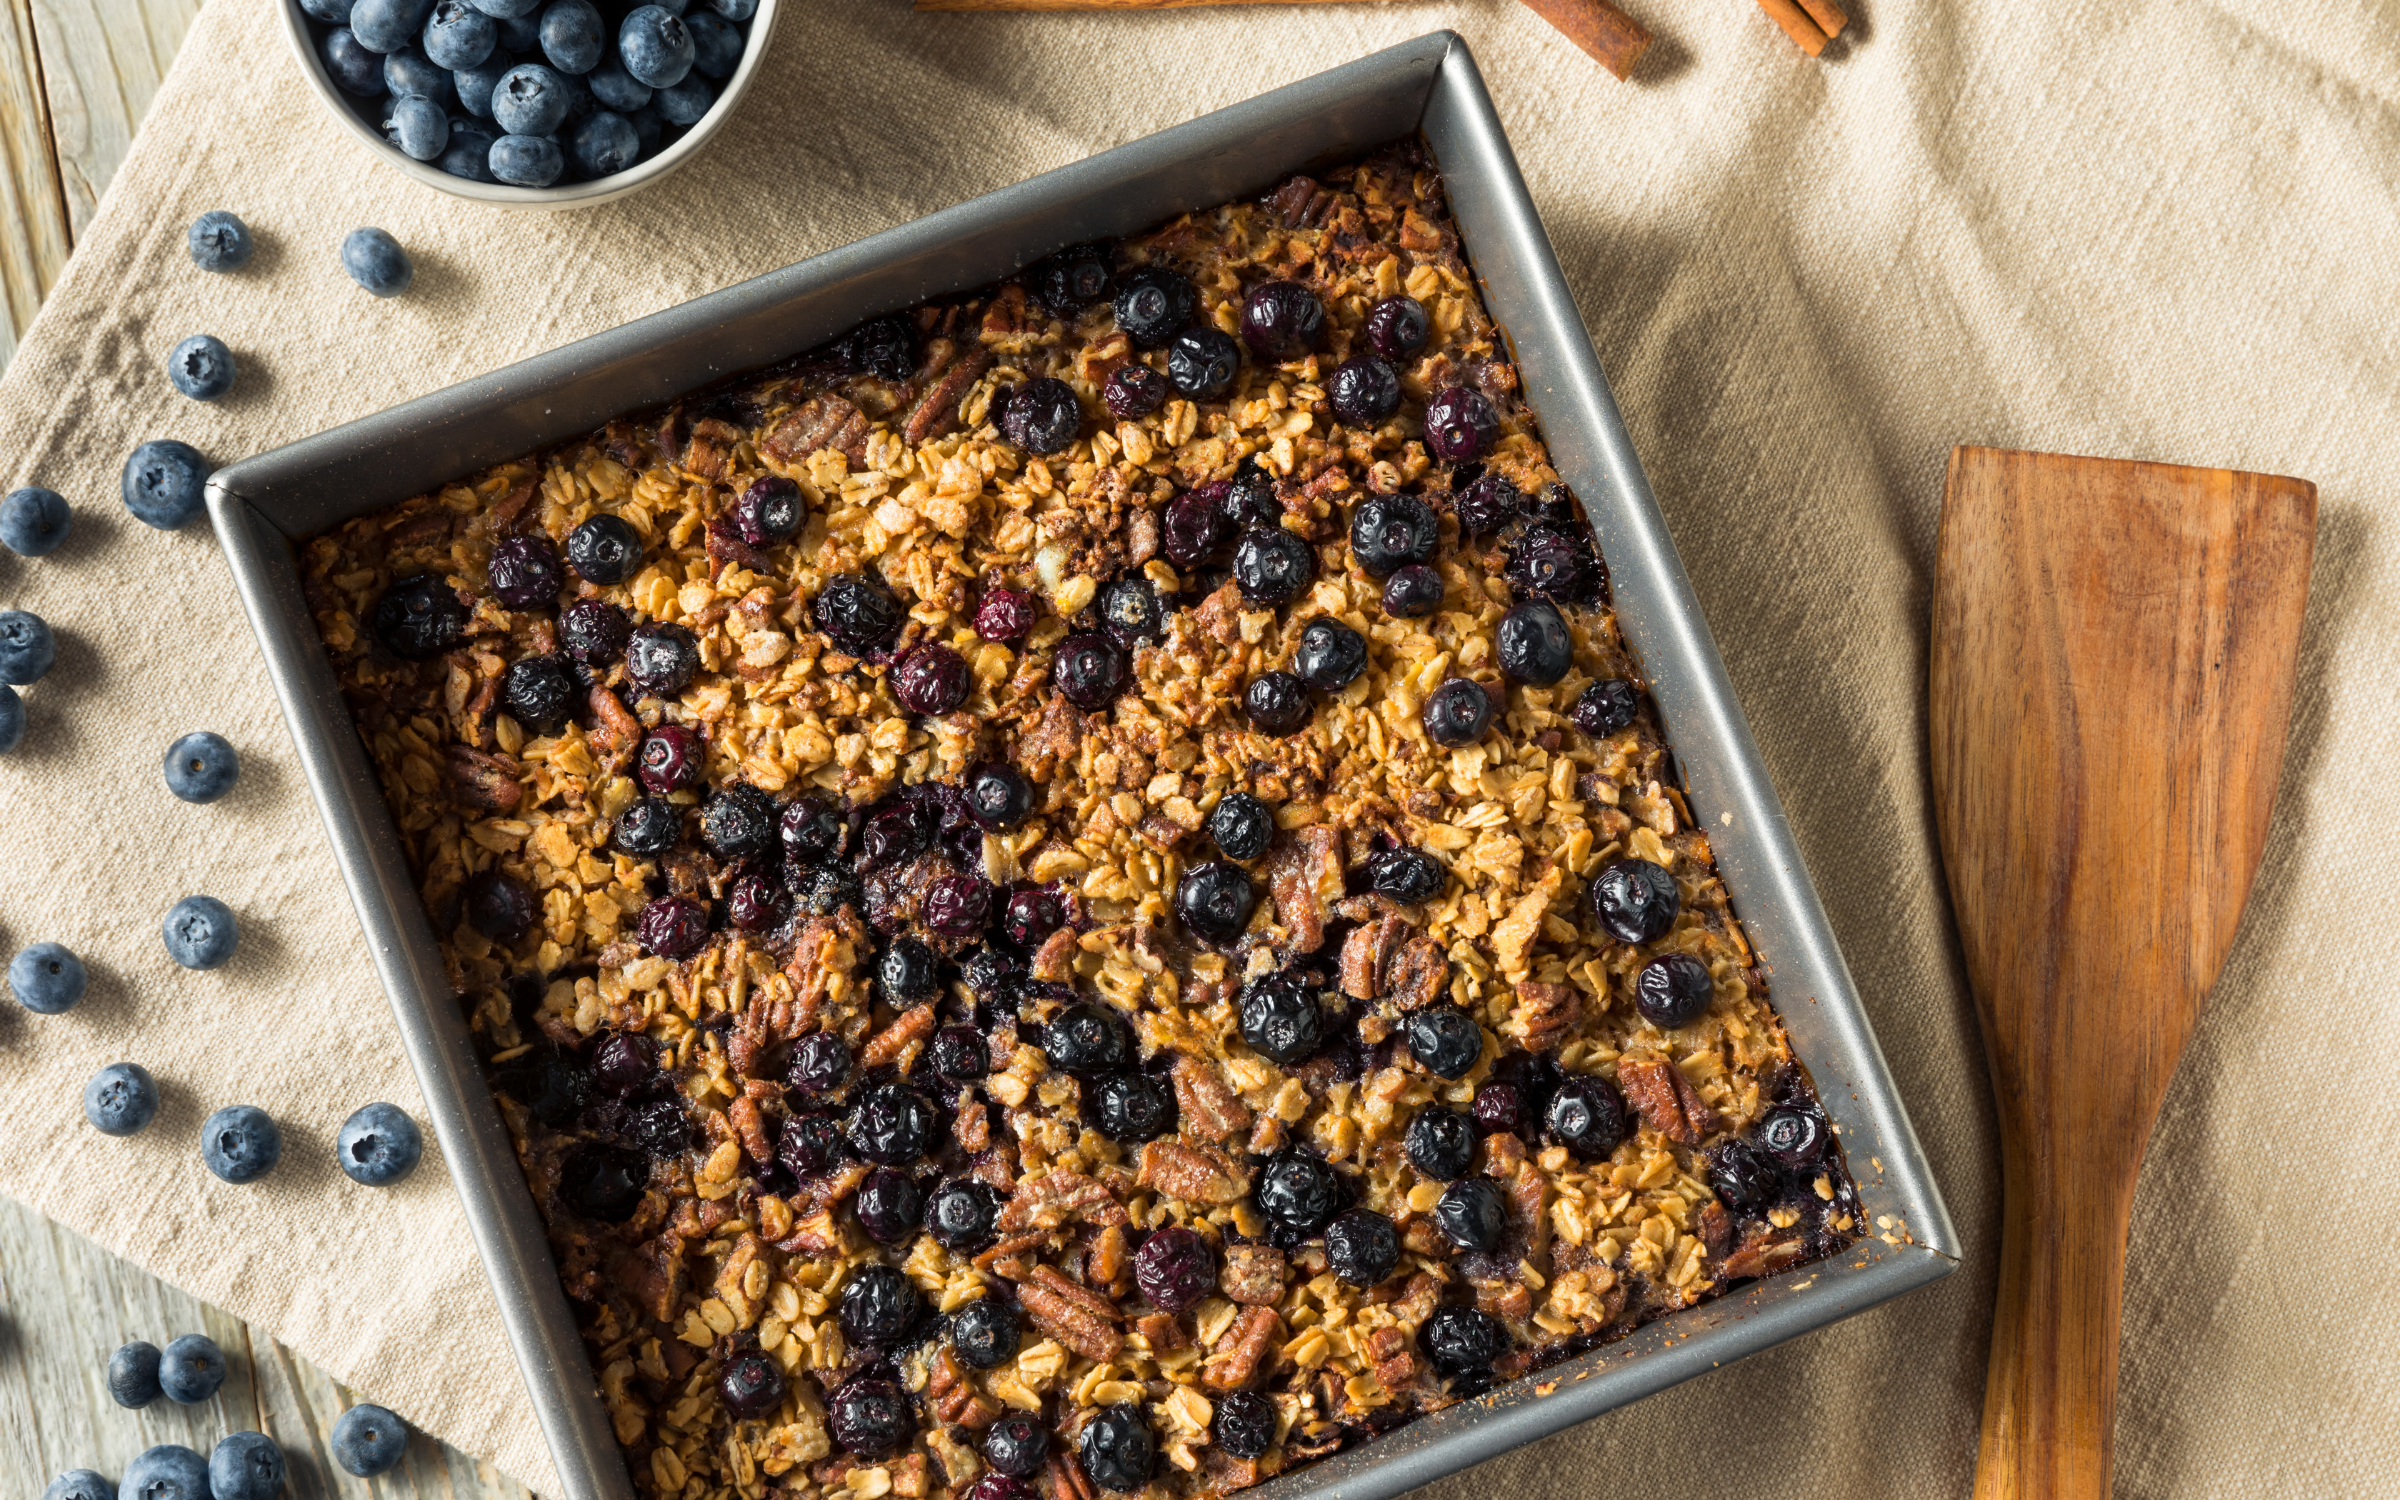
<point>201,366</point>
<point>1282,320</point>
<point>409,71</point>
<point>1444,1040</point>
<point>219,241</point>
<point>908,973</point>
<point>133,1375</point>
<point>963,1215</point>
<point>1175,1269</point>
<point>1154,304</point>
<point>1087,1040</point>
<point>1472,1214</point>
<point>1606,707</point>
<point>245,1466</point>
<point>1795,1137</point>
<point>169,1471</point>
<point>878,1306</point>
<point>811,1145</point>
<point>201,933</point>
<point>202,766</point>
<point>1117,1449</point>
<point>458,36</point>
<point>1330,655</point>
<point>619,90</point>
<point>1215,900</point>
<point>1586,1115</point>
<point>531,161</point>
<point>354,68</point>
<point>758,903</point>
<point>751,1385</point>
<point>1409,876</point>
<point>661,660</point>
<point>1533,644</point>
<point>12,718</point>
<point>1460,424</point>
<point>1362,1247</point>
<point>240,1144</point>
<point>1487,503</point>
<point>376,262</point>
<point>869,1416</point>
<point>602,145</point>
<point>1672,990</point>
<point>1398,327</point>
<point>368,1440</point>
<point>1272,566</point>
<point>1244,1424</point>
<point>1363,391</point>
<point>1277,703</point>
<point>648,829</point>
<point>516,17</point>
<point>986,1333</point>
<point>1440,1143</point>
<point>33,521</point>
<point>46,978</point>
<point>165,483</point>
<point>1135,391</point>
<point>378,1145</point>
<point>889,1206</point>
<point>1130,1108</point>
<point>1016,1444</point>
<point>1280,1017</point>
<point>27,648</point>
<point>1241,826</point>
<point>1090,670</point>
<point>1202,361</point>
<point>1457,713</point>
<point>573,35</point>
<point>1412,593</point>
<point>386,25</point>
<point>1499,1108</point>
<point>529,99</point>
<point>1635,901</point>
<point>594,631</point>
<point>1462,1340</point>
<point>656,46</point>
<point>892,1125</point>
<point>672,927</point>
<point>857,612</point>
<point>120,1099</point>
<point>686,102</point>
<point>1298,1192</point>
<point>539,692</point>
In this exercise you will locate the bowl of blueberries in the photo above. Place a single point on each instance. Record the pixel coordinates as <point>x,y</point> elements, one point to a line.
<point>531,103</point>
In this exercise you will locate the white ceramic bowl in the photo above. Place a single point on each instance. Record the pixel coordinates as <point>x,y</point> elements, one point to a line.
<point>567,195</point>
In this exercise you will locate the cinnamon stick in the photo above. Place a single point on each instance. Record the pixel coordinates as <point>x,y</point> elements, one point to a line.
<point>1827,15</point>
<point>1796,24</point>
<point>1614,39</point>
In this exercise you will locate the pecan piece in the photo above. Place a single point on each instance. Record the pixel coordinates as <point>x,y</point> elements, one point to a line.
<point>1162,1331</point>
<point>614,728</point>
<point>1417,973</point>
<point>953,1396</point>
<point>1241,1349</point>
<point>1367,951</point>
<point>1665,1099</point>
<point>1761,1253</point>
<point>1164,831</point>
<point>817,423</point>
<point>1062,1478</point>
<point>1388,1354</point>
<point>1049,1201</point>
<point>652,1273</point>
<point>973,1123</point>
<point>936,412</point>
<point>726,547</point>
<point>1715,1230</point>
<point>750,1128</point>
<point>1252,1275</point>
<point>484,781</point>
<point>1302,203</point>
<point>899,1042</point>
<point>1076,1316</point>
<point>1544,1014</point>
<point>1212,1111</point>
<point>1300,875</point>
<point>1196,1174</point>
<point>1054,961</point>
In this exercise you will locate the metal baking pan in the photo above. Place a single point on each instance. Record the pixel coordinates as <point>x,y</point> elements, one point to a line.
<point>1428,86</point>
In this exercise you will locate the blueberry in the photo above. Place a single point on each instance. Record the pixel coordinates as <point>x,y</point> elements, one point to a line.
<point>669,759</point>
<point>1280,1017</point>
<point>506,10</point>
<point>1244,1424</point>
<point>661,660</point>
<point>1005,614</point>
<point>1586,1115</point>
<point>1499,1108</point>
<point>884,347</point>
<point>896,832</point>
<point>193,1366</point>
<point>457,36</point>
<point>1129,611</point>
<point>27,648</point>
<point>526,160</point>
<point>1397,327</point>
<point>1202,361</point>
<point>648,828</point>
<point>1032,916</point>
<point>998,796</point>
<point>409,71</point>
<point>1130,1108</point>
<point>1276,703</point>
<point>605,549</point>
<point>1249,498</point>
<point>957,906</point>
<point>908,973</point>
<point>823,890</point>
<point>530,100</point>
<point>46,978</point>
<point>368,1440</point>
<point>1635,901</point>
<point>1672,990</point>
<point>1016,1444</point>
<point>878,1306</point>
<point>1412,593</point>
<point>986,1333</point>
<point>387,25</point>
<point>1272,566</point>
<point>751,1385</point>
<point>672,927</point>
<point>1363,391</point>
<point>201,933</point>
<point>1117,1449</point>
<point>716,44</point>
<point>1175,1269</point>
<point>33,521</point>
<point>1462,1340</point>
<point>1409,876</point>
<point>120,1099</point>
<point>857,612</point>
<point>892,1125</point>
<point>758,903</point>
<point>811,1145</point>
<point>889,1205</point>
<point>963,1214</point>
<point>619,90</point>
<point>931,680</point>
<point>133,1375</point>
<point>1486,503</point>
<point>1444,1040</point>
<point>1533,643</point>
<point>354,69</point>
<point>1194,527</point>
<point>240,1144</point>
<point>770,509</point>
<point>624,1062</point>
<point>218,239</point>
<point>1241,826</point>
<point>1154,304</point>
<point>656,46</point>
<point>12,718</point>
<point>520,32</point>
<point>1282,320</point>
<point>573,35</point>
<point>1554,563</point>
<point>1362,1247</point>
<point>686,102</point>
<point>414,125</point>
<point>474,86</point>
<point>1440,1143</point>
<point>418,618</point>
<point>245,1466</point>
<point>1090,670</point>
<point>1388,532</point>
<point>1135,391</point>
<point>169,1471</point>
<point>1298,1192</point>
<point>1795,1137</point>
<point>539,692</point>
<point>605,1183</point>
<point>1042,416</point>
<point>499,906</point>
<point>378,1145</point>
<point>164,483</point>
<point>739,823</point>
<point>869,1416</point>
<point>470,153</point>
<point>734,10</point>
<point>1457,713</point>
<point>1742,1177</point>
<point>1330,655</point>
<point>814,829</point>
<point>376,262</point>
<point>1215,900</point>
<point>1472,1214</point>
<point>1087,1040</point>
<point>1607,707</point>
<point>1460,424</point>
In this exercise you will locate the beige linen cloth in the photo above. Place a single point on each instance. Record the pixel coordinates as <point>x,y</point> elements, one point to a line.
<point>2162,230</point>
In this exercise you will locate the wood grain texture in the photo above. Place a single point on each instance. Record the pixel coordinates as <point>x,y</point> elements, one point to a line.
<point>2111,676</point>
<point>65,1304</point>
<point>101,65</point>
<point>33,213</point>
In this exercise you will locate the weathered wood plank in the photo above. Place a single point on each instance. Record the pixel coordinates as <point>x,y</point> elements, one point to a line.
<point>33,213</point>
<point>101,64</point>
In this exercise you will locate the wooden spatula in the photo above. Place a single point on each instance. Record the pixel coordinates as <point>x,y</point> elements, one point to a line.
<point>2113,645</point>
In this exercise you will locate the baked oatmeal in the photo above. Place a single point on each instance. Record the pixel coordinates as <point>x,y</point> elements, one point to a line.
<point>1076,891</point>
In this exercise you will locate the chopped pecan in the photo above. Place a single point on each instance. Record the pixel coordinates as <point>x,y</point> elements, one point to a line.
<point>1212,1111</point>
<point>1504,1298</point>
<point>625,446</point>
<point>1108,1258</point>
<point>1388,1354</point>
<point>1196,1174</point>
<point>908,1475</point>
<point>1513,937</point>
<point>1302,203</point>
<point>483,781</point>
<point>1164,831</point>
<point>750,1128</point>
<point>1417,973</point>
<point>1365,953</point>
<point>936,412</point>
<point>1076,1316</point>
<point>1222,1474</point>
<point>992,1167</point>
<point>1049,1201</point>
<point>1762,1252</point>
<point>819,1235</point>
<point>1544,1014</point>
<point>954,1397</point>
<point>900,1042</point>
<point>820,422</point>
<point>1062,1478</point>
<point>502,518</point>
<point>1241,1349</point>
<point>614,728</point>
<point>1715,1230</point>
<point>1666,1100</point>
<point>1164,1332</point>
<point>652,1273</point>
<point>1252,1275</point>
<point>973,1123</point>
<point>725,547</point>
<point>1052,741</point>
<point>734,1273</point>
<point>1054,961</point>
<point>1302,874</point>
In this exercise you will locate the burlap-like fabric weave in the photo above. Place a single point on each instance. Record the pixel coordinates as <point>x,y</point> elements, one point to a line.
<point>2160,230</point>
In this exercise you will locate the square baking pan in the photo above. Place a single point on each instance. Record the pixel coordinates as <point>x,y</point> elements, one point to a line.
<point>1429,87</point>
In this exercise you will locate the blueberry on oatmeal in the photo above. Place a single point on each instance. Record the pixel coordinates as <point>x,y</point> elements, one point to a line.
<point>1363,390</point>
<point>525,572</point>
<point>769,511</point>
<point>1440,1143</point>
<point>892,1125</point>
<point>1388,532</point>
<point>1272,566</point>
<point>931,680</point>
<point>1330,655</point>
<point>1175,1269</point>
<point>1444,1040</point>
<point>1635,901</point>
<point>1409,876</point>
<point>1457,713</point>
<point>1282,320</point>
<point>1135,391</point>
<point>857,613</point>
<point>1090,671</point>
<point>1215,900</point>
<point>1486,503</point>
<point>908,973</point>
<point>539,692</point>
<point>1244,1424</point>
<point>594,632</point>
<point>889,1206</point>
<point>1277,703</point>
<point>1241,826</point>
<point>1586,1115</point>
<point>1672,990</point>
<point>751,1384</point>
<point>820,1062</point>
<point>986,1333</point>
<point>1606,707</point>
<point>419,618</point>
<point>1413,592</point>
<point>1532,644</point>
<point>1471,1213</point>
<point>1398,328</point>
<point>1016,1444</point>
<point>1042,416</point>
<point>1087,1041</point>
<point>878,1306</point>
<point>998,796</point>
<point>672,927</point>
<point>739,822</point>
<point>1362,1247</point>
<point>1129,611</point>
<point>1005,615</point>
<point>963,1214</point>
<point>648,828</point>
<point>1154,304</point>
<point>1460,424</point>
<point>1202,361</point>
<point>1117,1449</point>
<point>1280,1017</point>
<point>1299,1191</point>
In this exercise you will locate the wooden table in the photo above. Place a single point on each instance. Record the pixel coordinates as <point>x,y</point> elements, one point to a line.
<point>76,77</point>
